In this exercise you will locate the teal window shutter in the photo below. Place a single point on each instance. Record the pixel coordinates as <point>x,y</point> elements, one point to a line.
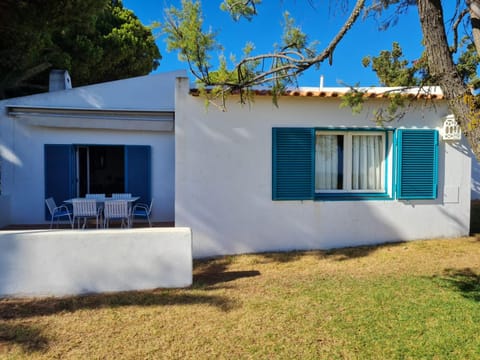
<point>138,171</point>
<point>417,172</point>
<point>60,177</point>
<point>293,162</point>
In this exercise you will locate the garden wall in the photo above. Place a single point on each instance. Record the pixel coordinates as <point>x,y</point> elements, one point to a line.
<point>70,262</point>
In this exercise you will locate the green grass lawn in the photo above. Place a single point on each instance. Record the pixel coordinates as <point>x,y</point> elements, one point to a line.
<point>417,300</point>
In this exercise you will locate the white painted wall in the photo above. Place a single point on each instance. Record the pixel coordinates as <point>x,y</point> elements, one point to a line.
<point>22,145</point>
<point>70,262</point>
<point>223,173</point>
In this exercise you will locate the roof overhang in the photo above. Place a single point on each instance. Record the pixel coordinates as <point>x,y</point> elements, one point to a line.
<point>112,119</point>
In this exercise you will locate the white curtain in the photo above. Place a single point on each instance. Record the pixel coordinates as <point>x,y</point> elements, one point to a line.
<point>326,162</point>
<point>367,162</point>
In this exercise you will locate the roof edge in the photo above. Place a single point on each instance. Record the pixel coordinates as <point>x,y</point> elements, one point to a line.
<point>431,93</point>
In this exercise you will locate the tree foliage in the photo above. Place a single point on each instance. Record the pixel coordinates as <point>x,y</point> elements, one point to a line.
<point>450,63</point>
<point>393,69</point>
<point>96,40</point>
<point>291,56</point>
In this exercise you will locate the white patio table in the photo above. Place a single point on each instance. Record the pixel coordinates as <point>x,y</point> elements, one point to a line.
<point>101,201</point>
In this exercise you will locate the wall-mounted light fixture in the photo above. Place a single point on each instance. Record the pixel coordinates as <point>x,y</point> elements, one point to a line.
<point>451,130</point>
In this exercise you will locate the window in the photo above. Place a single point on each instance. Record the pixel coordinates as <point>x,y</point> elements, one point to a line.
<point>349,162</point>
<point>319,164</point>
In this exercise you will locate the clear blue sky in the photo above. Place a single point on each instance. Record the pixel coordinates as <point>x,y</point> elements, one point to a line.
<point>320,22</point>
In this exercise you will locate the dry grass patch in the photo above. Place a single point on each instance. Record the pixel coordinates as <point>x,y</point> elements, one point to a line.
<point>404,300</point>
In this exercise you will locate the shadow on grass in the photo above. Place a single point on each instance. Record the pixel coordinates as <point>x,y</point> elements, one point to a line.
<point>25,308</point>
<point>340,254</point>
<point>30,338</point>
<point>212,278</point>
<point>465,281</point>
<point>348,253</point>
<point>210,272</point>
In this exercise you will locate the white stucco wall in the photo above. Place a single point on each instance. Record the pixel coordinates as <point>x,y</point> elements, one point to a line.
<point>224,172</point>
<point>22,145</point>
<point>67,262</point>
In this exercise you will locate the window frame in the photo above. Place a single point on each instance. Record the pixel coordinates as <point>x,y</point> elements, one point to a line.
<point>347,160</point>
<point>386,193</point>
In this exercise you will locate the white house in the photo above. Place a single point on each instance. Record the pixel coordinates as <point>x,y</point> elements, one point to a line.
<point>304,175</point>
<point>309,175</point>
<point>111,137</point>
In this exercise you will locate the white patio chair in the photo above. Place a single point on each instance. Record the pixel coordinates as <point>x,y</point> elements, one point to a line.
<point>95,196</point>
<point>118,196</point>
<point>116,210</point>
<point>85,209</point>
<point>143,210</point>
<point>58,212</point>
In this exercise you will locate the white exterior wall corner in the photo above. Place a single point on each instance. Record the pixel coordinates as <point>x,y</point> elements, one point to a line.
<point>223,171</point>
<point>22,145</point>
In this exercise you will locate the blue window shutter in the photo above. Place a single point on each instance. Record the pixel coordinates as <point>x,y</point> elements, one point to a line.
<point>293,162</point>
<point>138,171</point>
<point>417,172</point>
<point>60,168</point>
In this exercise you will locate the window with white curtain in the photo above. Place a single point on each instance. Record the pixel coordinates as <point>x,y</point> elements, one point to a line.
<point>349,161</point>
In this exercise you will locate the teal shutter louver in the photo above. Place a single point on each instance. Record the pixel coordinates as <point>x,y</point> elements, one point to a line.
<point>293,162</point>
<point>417,164</point>
<point>138,171</point>
<point>60,179</point>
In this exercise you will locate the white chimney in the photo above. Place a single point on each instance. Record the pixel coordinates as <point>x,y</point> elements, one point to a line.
<point>59,80</point>
<point>321,81</point>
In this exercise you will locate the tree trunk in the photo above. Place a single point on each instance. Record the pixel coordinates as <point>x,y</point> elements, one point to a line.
<point>474,11</point>
<point>442,68</point>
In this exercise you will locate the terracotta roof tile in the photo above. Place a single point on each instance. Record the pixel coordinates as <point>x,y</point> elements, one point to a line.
<point>433,93</point>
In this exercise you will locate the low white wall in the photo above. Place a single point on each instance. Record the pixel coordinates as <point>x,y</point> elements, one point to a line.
<point>4,210</point>
<point>67,262</point>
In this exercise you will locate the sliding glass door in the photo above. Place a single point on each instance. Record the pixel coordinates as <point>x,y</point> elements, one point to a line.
<point>101,169</point>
